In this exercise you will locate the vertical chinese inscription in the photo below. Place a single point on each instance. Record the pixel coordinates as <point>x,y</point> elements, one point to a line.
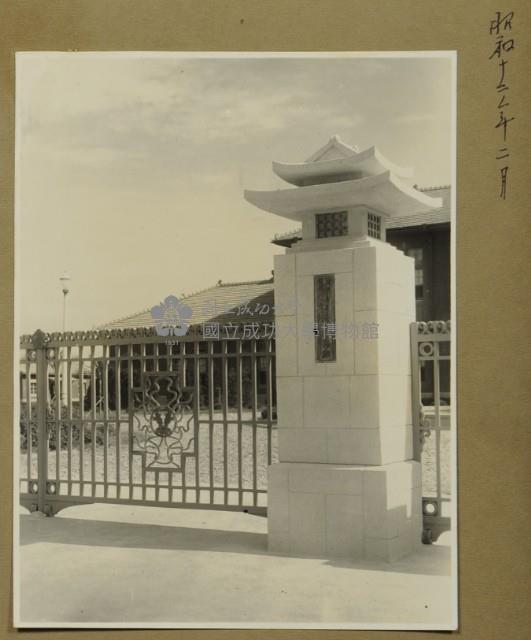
<point>324,317</point>
<point>500,28</point>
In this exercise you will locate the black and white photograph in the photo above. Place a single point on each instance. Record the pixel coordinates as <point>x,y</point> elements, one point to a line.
<point>235,390</point>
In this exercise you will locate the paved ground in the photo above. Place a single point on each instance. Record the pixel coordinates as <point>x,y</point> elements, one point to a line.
<point>117,564</point>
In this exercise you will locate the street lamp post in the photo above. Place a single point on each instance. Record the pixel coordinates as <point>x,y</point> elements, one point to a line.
<point>65,286</point>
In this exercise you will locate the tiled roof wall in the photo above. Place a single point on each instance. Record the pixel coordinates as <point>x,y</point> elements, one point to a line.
<point>222,303</point>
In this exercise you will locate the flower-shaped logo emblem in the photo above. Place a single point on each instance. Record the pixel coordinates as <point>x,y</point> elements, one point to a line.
<point>171,317</point>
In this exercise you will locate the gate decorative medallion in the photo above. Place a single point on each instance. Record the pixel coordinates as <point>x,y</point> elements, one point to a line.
<point>164,430</point>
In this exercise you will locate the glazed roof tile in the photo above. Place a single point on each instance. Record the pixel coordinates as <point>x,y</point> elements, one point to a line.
<point>236,302</point>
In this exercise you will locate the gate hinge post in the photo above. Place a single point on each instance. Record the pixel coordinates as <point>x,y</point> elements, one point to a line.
<point>416,403</point>
<point>39,341</point>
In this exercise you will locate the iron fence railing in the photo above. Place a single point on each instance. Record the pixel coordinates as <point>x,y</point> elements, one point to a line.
<point>431,402</point>
<point>128,416</point>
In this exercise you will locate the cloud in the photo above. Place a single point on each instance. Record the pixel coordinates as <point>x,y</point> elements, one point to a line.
<point>415,118</point>
<point>344,121</point>
<point>136,123</point>
<point>137,108</point>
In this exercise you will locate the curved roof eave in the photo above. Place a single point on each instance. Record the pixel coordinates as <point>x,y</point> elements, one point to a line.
<point>384,193</point>
<point>369,161</point>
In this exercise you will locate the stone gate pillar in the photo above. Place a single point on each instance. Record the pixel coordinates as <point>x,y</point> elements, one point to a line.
<point>345,484</point>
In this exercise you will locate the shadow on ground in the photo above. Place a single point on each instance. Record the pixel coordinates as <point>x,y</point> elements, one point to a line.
<point>430,560</point>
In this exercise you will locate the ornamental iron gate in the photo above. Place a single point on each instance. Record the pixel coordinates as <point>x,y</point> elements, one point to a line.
<point>126,416</point>
<point>431,402</point>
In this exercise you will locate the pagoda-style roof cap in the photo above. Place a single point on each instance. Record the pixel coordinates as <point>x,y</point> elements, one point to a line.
<point>383,192</point>
<point>335,162</point>
<point>333,149</point>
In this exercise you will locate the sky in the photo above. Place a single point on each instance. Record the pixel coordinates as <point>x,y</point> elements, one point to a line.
<point>130,169</point>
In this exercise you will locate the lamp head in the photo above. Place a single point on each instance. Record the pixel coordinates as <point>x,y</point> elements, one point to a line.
<point>65,281</point>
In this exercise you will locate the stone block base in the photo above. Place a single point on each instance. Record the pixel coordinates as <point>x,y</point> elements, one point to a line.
<point>352,511</point>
